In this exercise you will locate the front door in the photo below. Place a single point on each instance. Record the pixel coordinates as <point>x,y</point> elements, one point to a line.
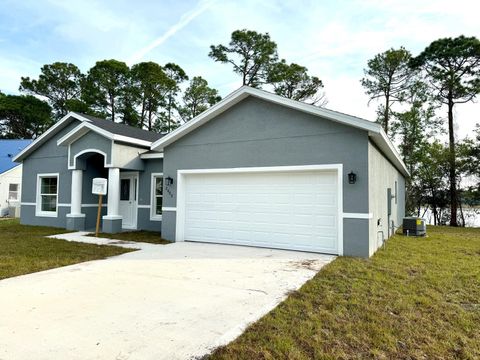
<point>128,200</point>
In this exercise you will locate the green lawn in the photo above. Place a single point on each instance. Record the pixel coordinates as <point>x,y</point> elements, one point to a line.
<point>137,236</point>
<point>25,249</point>
<point>417,299</point>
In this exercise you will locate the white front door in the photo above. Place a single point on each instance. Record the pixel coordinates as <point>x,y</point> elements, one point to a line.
<point>128,200</point>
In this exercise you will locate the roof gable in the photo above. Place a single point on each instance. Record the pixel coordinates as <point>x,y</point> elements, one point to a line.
<point>114,131</point>
<point>375,131</point>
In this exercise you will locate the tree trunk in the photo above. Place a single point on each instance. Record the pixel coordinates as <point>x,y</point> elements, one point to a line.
<point>452,164</point>
<point>142,116</point>
<point>112,106</point>
<point>386,114</point>
<point>459,201</point>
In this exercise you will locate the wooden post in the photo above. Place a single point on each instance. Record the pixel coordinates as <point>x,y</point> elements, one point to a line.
<point>99,213</point>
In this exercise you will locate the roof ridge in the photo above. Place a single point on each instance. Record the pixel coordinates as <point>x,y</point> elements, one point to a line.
<point>115,123</point>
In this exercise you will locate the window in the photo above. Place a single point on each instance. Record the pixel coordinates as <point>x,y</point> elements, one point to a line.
<point>47,195</point>
<point>157,196</point>
<point>12,191</point>
<point>125,189</point>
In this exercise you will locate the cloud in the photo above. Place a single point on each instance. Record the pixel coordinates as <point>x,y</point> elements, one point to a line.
<point>184,21</point>
<point>333,39</point>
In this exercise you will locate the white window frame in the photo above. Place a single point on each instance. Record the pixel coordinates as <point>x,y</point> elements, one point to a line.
<point>153,205</point>
<point>38,204</point>
<point>17,192</point>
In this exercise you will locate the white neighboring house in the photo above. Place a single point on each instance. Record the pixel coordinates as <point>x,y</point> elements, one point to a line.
<point>10,176</point>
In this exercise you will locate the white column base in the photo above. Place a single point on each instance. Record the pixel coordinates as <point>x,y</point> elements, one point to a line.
<point>112,217</point>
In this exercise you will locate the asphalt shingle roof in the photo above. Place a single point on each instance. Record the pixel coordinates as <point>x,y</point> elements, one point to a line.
<point>122,129</point>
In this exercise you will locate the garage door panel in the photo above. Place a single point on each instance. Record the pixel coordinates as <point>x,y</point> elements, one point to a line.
<point>294,210</point>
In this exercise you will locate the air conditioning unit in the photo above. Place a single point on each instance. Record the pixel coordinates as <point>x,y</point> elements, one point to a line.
<point>414,226</point>
<point>14,211</point>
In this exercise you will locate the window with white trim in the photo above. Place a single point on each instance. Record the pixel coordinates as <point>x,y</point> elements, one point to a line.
<point>47,194</point>
<point>157,196</point>
<point>13,192</point>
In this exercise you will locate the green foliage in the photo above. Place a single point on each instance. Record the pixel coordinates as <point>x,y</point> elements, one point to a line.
<point>293,82</point>
<point>452,69</point>
<point>106,86</point>
<point>430,182</point>
<point>469,154</point>
<point>23,117</point>
<point>412,129</point>
<point>142,236</point>
<point>250,53</point>
<point>197,98</point>
<point>388,77</point>
<point>469,164</point>
<point>26,249</point>
<point>150,85</point>
<point>415,299</point>
<point>59,82</point>
<point>167,121</point>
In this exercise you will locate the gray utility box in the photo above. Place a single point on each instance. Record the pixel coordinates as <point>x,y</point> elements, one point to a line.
<point>414,226</point>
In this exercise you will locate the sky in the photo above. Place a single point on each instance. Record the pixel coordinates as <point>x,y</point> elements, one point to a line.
<point>333,39</point>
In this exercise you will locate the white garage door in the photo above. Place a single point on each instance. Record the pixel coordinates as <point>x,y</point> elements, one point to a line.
<point>285,210</point>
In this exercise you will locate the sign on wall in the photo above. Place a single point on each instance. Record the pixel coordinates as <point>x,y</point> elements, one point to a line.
<point>99,186</point>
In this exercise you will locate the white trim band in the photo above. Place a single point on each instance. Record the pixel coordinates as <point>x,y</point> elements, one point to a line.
<point>152,156</point>
<point>112,217</point>
<point>358,216</point>
<point>75,215</point>
<point>167,208</point>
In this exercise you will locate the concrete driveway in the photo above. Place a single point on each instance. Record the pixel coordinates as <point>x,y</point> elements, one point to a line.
<point>176,301</point>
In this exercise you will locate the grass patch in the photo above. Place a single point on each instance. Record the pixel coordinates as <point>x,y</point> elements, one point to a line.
<point>417,299</point>
<point>25,249</point>
<point>136,236</point>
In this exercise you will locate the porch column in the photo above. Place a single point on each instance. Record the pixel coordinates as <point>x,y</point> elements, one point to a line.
<point>76,206</point>
<point>76,220</point>
<point>112,222</point>
<point>113,192</point>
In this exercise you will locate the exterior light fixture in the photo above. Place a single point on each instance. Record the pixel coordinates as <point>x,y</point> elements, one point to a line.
<point>352,178</point>
<point>169,181</point>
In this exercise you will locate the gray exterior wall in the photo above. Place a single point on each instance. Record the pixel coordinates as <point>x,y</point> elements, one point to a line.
<point>383,175</point>
<point>49,158</point>
<point>144,195</point>
<point>258,133</point>
<point>89,141</point>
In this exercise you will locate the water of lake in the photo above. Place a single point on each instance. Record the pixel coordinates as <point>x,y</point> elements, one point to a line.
<point>472,216</point>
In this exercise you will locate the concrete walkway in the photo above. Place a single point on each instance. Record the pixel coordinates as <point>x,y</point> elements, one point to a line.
<point>176,301</point>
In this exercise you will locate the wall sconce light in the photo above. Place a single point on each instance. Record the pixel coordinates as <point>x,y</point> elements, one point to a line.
<point>352,178</point>
<point>169,181</point>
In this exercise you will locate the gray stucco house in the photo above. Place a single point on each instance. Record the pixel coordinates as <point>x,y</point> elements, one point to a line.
<point>255,169</point>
